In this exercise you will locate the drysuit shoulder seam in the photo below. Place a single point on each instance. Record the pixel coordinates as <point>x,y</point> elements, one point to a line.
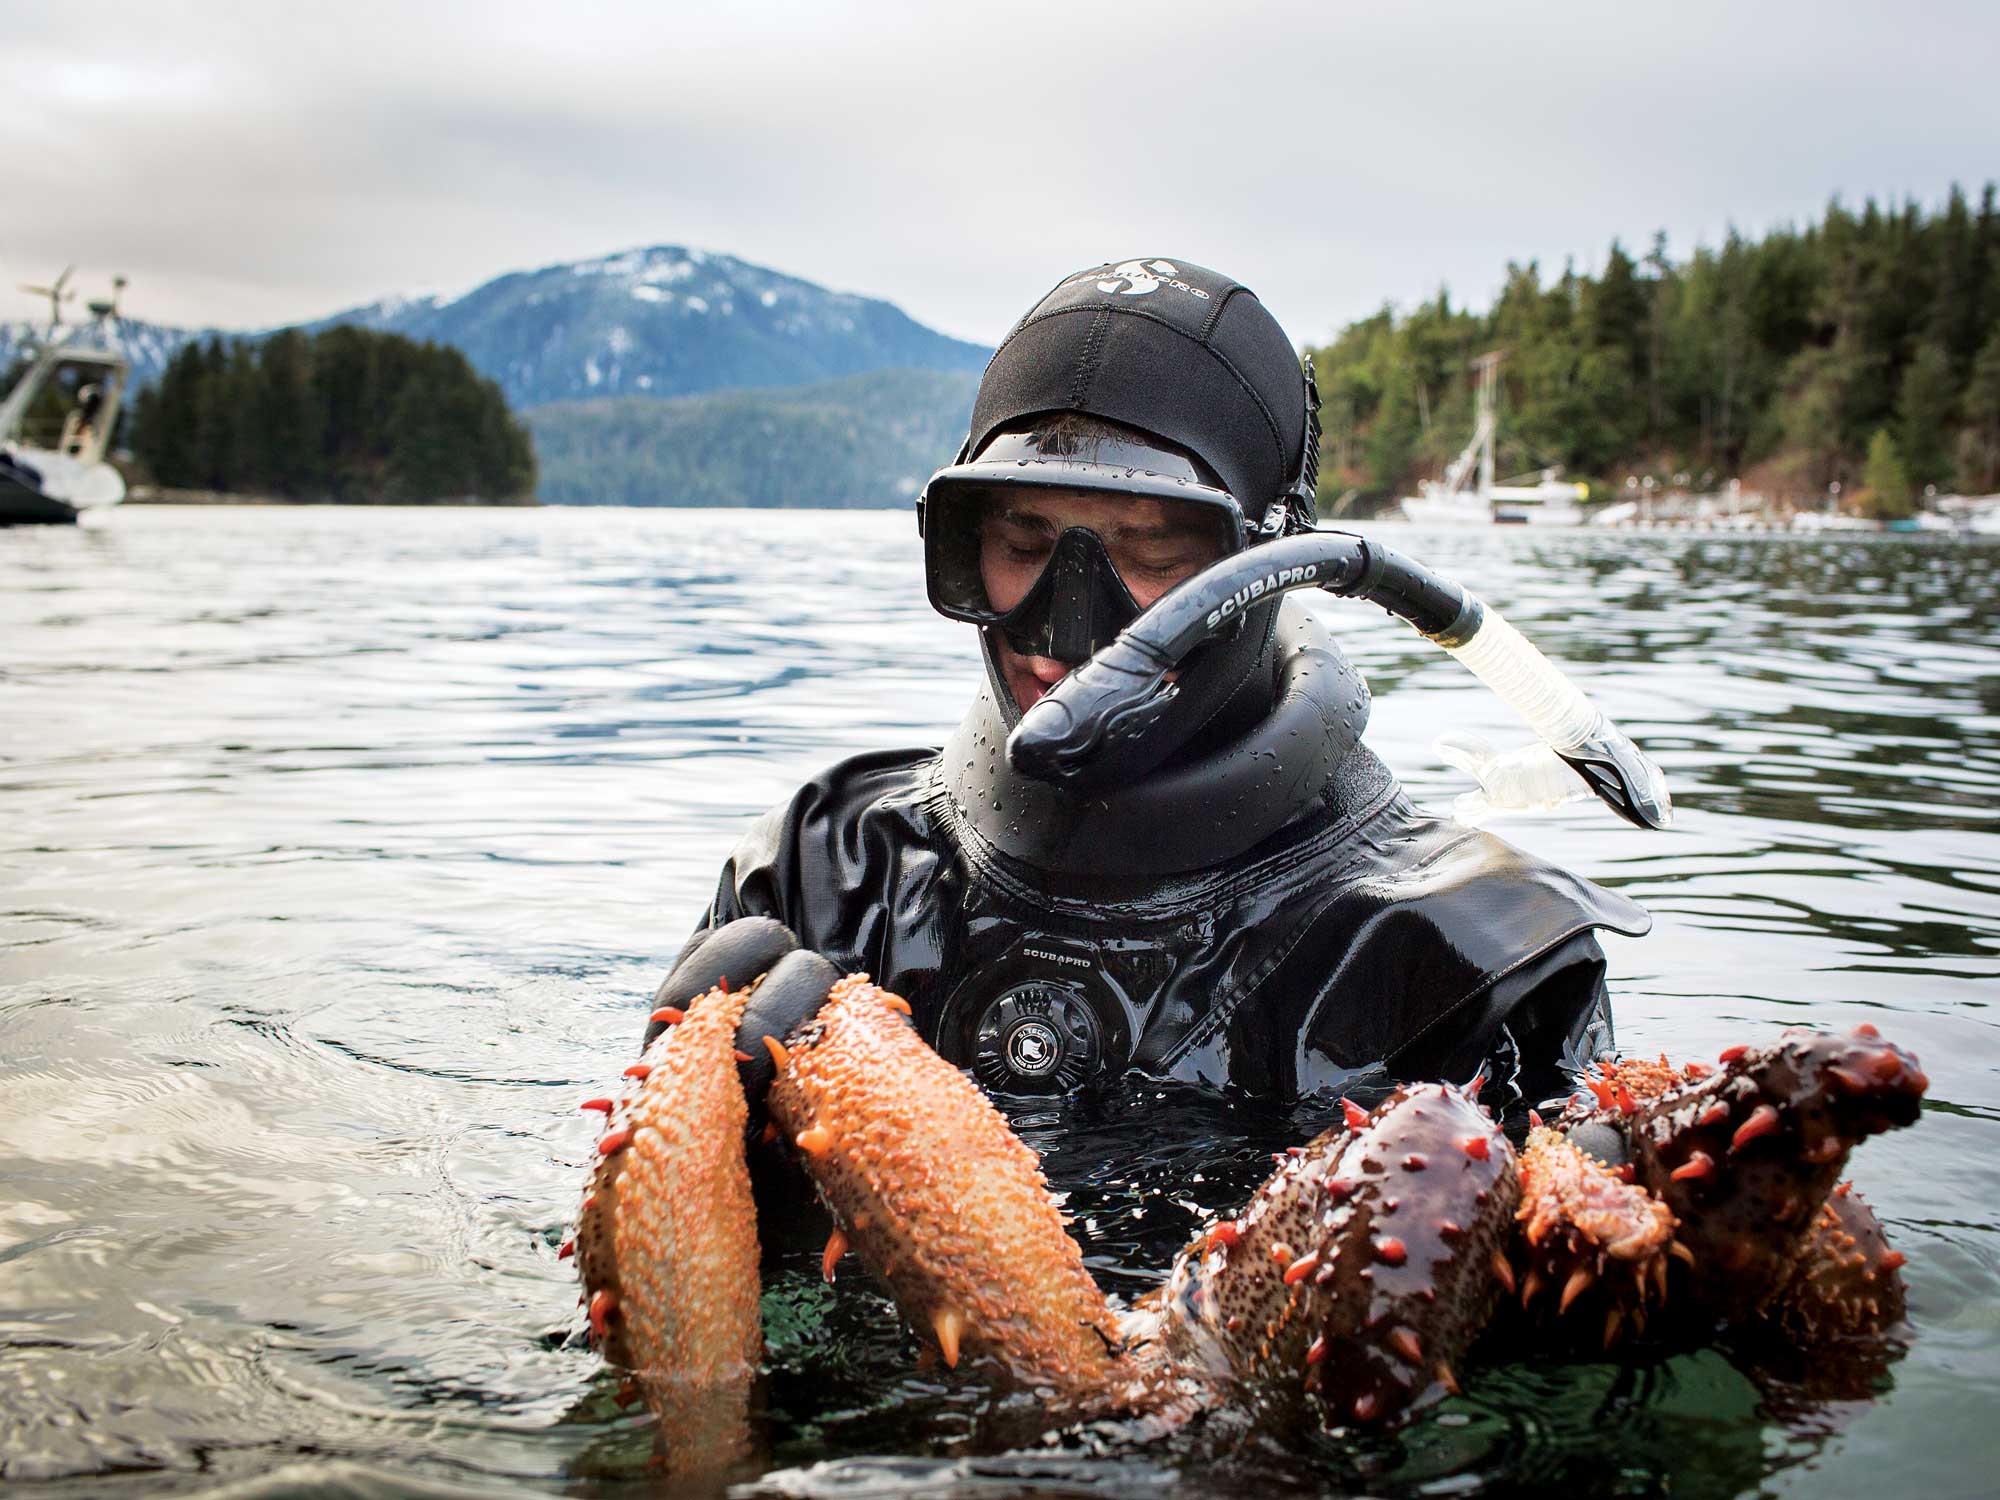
<point>1221,1015</point>
<point>1575,928</point>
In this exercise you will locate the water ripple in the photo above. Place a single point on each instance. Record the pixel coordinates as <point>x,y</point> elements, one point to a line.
<point>342,850</point>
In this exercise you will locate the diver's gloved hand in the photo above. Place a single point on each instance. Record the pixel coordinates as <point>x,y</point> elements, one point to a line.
<point>791,995</point>
<point>1601,1141</point>
<point>795,984</point>
<point>737,951</point>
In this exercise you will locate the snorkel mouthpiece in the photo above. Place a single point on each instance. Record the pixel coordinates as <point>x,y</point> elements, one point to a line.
<point>1075,735</point>
<point>1085,730</point>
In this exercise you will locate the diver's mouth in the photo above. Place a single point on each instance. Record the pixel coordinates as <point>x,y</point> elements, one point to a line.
<point>1034,677</point>
<point>1028,678</point>
<point>1031,678</point>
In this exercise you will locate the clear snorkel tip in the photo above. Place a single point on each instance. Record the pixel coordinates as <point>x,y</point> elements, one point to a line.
<point>1622,775</point>
<point>1568,722</point>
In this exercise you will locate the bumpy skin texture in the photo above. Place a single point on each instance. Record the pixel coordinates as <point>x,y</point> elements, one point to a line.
<point>1625,1083</point>
<point>943,1201</point>
<point>1591,1252</point>
<point>667,1239</point>
<point>1363,1266</point>
<point>1848,1282</point>
<point>1834,1331</point>
<point>1744,1158</point>
<point>1351,1283</point>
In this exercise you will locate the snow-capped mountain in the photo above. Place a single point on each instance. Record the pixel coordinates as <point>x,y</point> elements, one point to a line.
<point>664,321</point>
<point>661,321</point>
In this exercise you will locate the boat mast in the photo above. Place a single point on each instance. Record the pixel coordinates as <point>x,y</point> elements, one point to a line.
<point>1478,451</point>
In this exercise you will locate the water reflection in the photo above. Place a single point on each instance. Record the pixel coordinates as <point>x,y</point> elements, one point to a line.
<point>338,851</point>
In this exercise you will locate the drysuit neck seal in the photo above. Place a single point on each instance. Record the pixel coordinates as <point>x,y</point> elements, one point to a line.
<point>1203,810</point>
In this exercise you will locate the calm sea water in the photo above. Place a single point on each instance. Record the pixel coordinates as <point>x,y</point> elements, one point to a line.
<point>339,851</point>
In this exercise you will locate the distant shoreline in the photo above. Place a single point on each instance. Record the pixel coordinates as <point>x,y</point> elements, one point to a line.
<point>153,494</point>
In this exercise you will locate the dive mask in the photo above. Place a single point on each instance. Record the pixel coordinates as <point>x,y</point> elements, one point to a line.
<point>995,554</point>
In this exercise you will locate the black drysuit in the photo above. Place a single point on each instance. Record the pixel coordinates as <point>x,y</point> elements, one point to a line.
<point>1358,942</point>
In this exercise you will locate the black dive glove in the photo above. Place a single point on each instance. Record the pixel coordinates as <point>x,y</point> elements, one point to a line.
<point>795,984</point>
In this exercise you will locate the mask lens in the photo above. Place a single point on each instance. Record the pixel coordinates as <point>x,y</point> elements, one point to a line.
<point>988,548</point>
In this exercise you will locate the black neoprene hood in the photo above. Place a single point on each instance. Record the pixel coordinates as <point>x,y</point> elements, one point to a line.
<point>1170,348</point>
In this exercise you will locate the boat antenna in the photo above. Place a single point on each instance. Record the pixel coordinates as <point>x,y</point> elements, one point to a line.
<point>107,311</point>
<point>57,296</point>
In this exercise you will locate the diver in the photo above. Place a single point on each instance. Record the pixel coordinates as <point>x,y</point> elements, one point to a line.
<point>1250,902</point>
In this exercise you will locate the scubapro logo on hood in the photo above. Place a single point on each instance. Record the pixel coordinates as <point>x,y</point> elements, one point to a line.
<point>1135,278</point>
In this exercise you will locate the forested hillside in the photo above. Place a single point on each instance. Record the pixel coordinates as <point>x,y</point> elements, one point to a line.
<point>345,414</point>
<point>1783,358</point>
<point>866,440</point>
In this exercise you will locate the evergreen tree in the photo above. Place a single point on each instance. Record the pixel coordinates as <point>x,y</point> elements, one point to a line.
<point>1888,492</point>
<point>1953,322</point>
<point>348,414</point>
<point>165,434</point>
<point>1615,311</point>
<point>1660,289</point>
<point>1790,350</point>
<point>345,374</point>
<point>1811,411</point>
<point>283,434</point>
<point>1397,431</point>
<point>1923,416</point>
<point>212,433</point>
<point>1979,437</point>
<point>234,465</point>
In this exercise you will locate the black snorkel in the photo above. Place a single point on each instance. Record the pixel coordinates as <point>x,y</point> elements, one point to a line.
<point>1096,715</point>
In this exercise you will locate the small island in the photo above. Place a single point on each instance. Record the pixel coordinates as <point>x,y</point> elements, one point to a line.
<point>345,416</point>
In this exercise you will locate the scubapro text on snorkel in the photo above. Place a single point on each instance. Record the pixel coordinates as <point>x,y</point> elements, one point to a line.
<point>1258,588</point>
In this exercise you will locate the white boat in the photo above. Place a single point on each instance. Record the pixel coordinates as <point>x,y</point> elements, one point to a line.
<point>1824,520</point>
<point>1468,496</point>
<point>1550,502</point>
<point>1437,506</point>
<point>1971,515</point>
<point>57,419</point>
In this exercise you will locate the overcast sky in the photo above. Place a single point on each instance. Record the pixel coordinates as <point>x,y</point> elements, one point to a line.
<point>253,164</point>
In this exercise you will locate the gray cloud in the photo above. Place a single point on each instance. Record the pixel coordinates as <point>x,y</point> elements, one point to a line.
<point>256,164</point>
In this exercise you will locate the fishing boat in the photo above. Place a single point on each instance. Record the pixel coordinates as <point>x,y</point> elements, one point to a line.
<point>57,418</point>
<point>1468,494</point>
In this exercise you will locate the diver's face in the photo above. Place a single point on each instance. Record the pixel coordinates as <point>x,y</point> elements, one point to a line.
<point>1153,544</point>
